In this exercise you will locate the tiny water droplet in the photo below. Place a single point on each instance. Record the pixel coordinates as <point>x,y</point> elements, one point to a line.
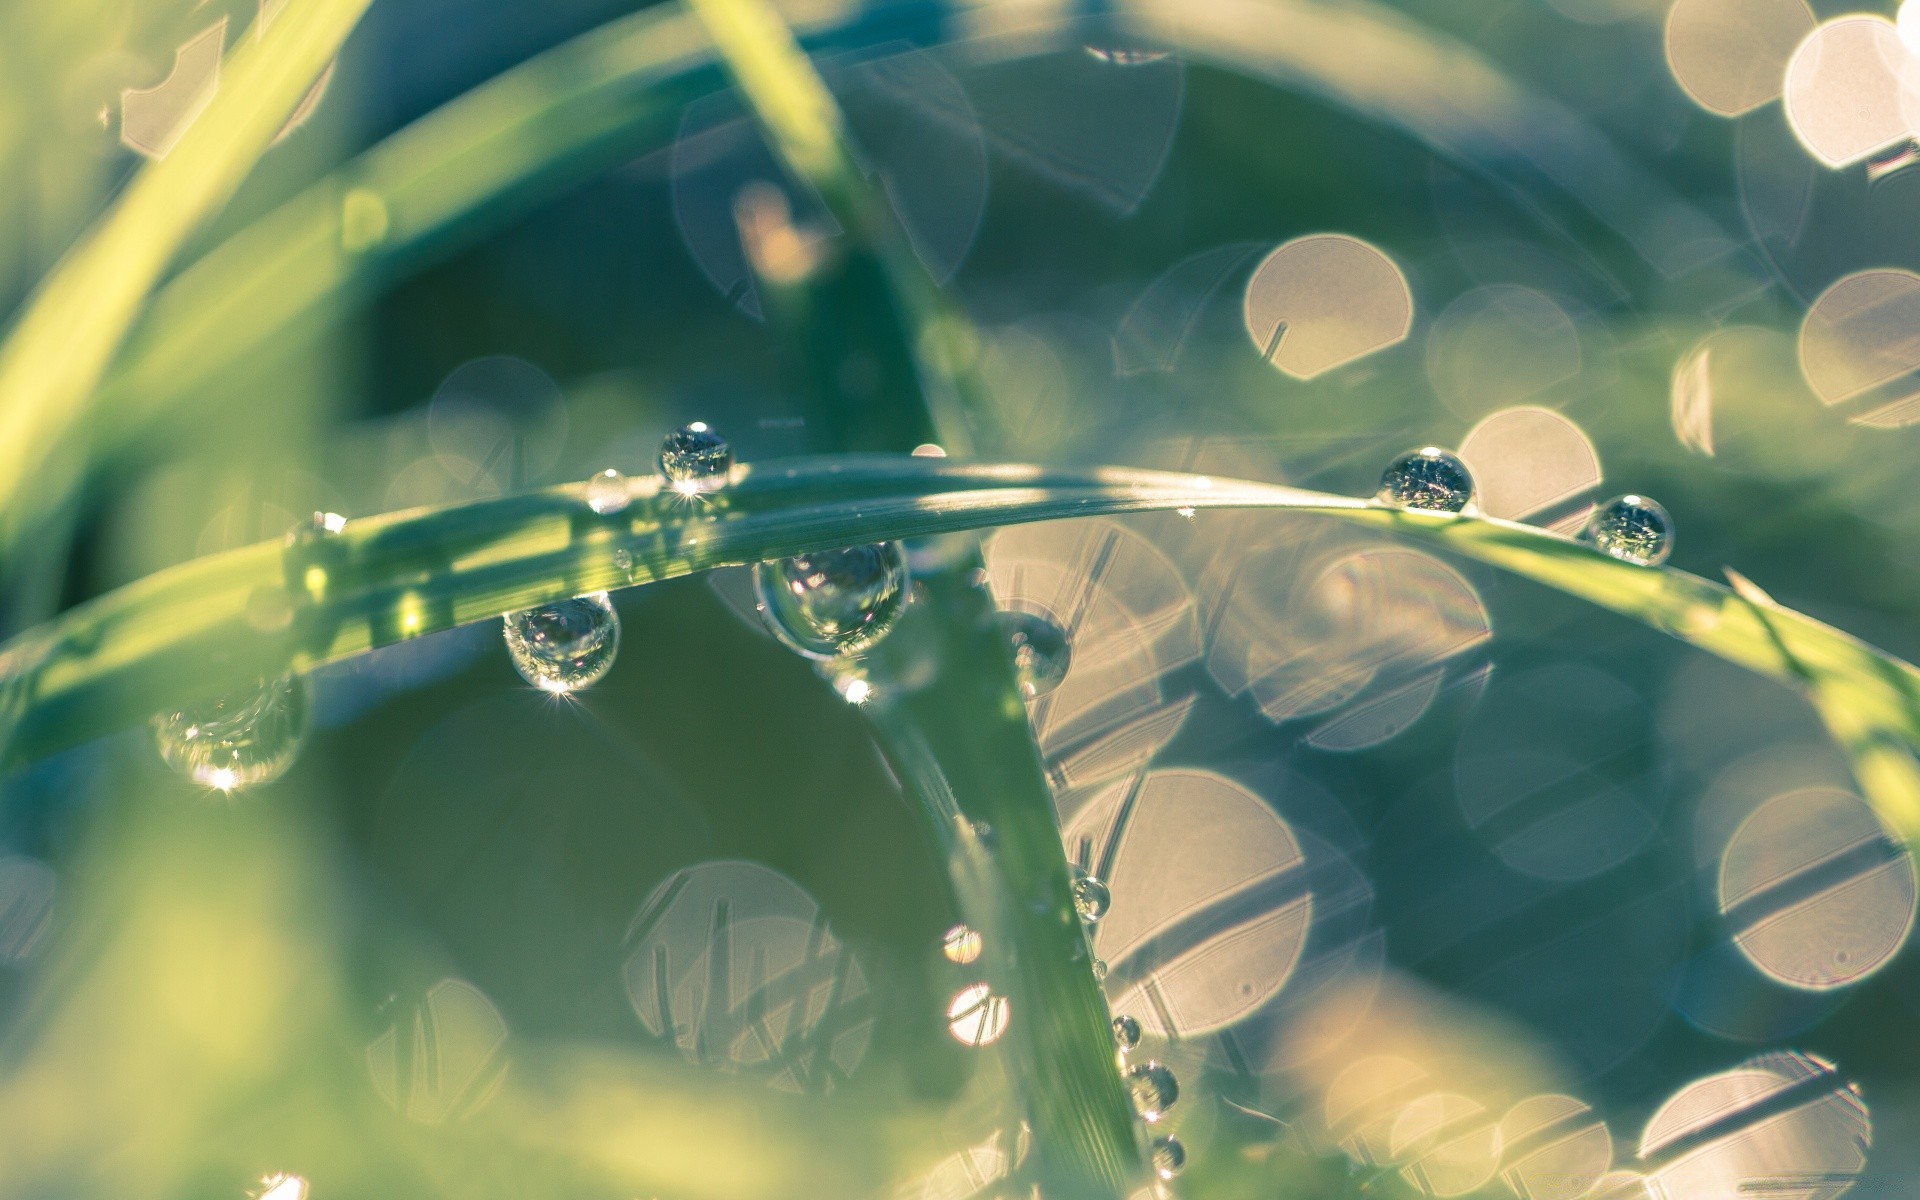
<point>833,602</point>
<point>695,459</point>
<point>1091,897</point>
<point>1169,1157</point>
<point>1152,1088</point>
<point>565,646</point>
<point>1100,970</point>
<point>320,525</point>
<point>1041,652</point>
<point>976,1016</point>
<point>1633,529</point>
<point>1429,479</point>
<point>961,944</point>
<point>607,492</point>
<point>1126,1032</point>
<point>623,561</point>
<point>239,739</point>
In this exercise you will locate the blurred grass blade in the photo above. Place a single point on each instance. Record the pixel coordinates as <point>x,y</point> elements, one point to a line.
<point>221,621</point>
<point>72,326</point>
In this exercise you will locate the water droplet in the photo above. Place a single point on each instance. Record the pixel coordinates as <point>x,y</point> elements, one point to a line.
<point>607,492</point>
<point>1429,479</point>
<point>1152,1088</point>
<point>1100,970</point>
<point>695,459</point>
<point>1169,1157</point>
<point>977,1017</point>
<point>239,739</point>
<point>1633,529</point>
<point>566,646</point>
<point>320,525</point>
<point>961,944</point>
<point>833,602</point>
<point>1126,1032</point>
<point>1091,897</point>
<point>1041,653</point>
<point>623,561</point>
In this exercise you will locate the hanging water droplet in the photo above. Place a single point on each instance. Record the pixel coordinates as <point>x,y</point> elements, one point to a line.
<point>1169,1157</point>
<point>1126,1032</point>
<point>1632,528</point>
<point>833,602</point>
<point>607,492</point>
<point>961,944</point>
<point>1091,897</point>
<point>695,459</point>
<point>977,1017</point>
<point>239,739</point>
<point>1041,653</point>
<point>565,646</point>
<point>1152,1088</point>
<point>1100,970</point>
<point>1429,479</point>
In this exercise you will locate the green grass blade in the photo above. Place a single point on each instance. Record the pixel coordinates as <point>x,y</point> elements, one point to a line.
<point>58,351</point>
<point>402,575</point>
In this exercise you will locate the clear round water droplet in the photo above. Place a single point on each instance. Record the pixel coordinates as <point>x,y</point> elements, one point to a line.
<point>961,944</point>
<point>607,492</point>
<point>623,561</point>
<point>1429,479</point>
<point>833,602</point>
<point>1041,653</point>
<point>238,740</point>
<point>1091,897</point>
<point>1126,1032</point>
<point>1633,529</point>
<point>695,459</point>
<point>1169,1157</point>
<point>565,646</point>
<point>1100,970</point>
<point>1152,1088</point>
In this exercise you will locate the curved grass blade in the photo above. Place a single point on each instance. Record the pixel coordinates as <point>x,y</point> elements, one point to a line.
<point>263,609</point>
<point>57,353</point>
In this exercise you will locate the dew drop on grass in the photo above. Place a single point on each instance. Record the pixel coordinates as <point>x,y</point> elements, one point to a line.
<point>565,646</point>
<point>1091,897</point>
<point>961,944</point>
<point>834,602</point>
<point>1429,479</point>
<point>1633,529</point>
<point>607,492</point>
<point>1152,1088</point>
<point>1041,653</point>
<point>237,740</point>
<point>1126,1032</point>
<point>1099,970</point>
<point>695,459</point>
<point>1169,1157</point>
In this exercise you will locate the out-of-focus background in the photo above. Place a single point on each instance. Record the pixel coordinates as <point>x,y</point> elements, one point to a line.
<point>1552,906</point>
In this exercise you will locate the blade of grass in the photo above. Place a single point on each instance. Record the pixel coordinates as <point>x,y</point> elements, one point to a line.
<point>186,631</point>
<point>72,326</point>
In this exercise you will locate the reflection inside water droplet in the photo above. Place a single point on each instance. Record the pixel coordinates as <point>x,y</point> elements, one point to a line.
<point>1126,1032</point>
<point>1152,1088</point>
<point>607,492</point>
<point>566,646</point>
<point>1169,1157</point>
<point>1429,479</point>
<point>1633,529</point>
<point>1091,897</point>
<point>833,602</point>
<point>695,459</point>
<point>1041,652</point>
<point>239,739</point>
